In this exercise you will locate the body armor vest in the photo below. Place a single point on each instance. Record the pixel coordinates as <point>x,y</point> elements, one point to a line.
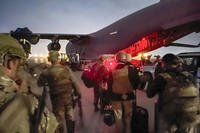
<point>59,80</point>
<point>180,99</point>
<point>179,86</point>
<point>121,83</point>
<point>179,92</point>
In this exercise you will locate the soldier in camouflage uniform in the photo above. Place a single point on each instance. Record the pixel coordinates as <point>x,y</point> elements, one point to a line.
<point>122,80</point>
<point>17,109</point>
<point>62,85</point>
<point>178,97</point>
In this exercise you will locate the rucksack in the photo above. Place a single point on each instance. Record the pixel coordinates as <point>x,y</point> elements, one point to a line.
<point>88,76</point>
<point>93,76</point>
<point>179,85</point>
<point>180,99</point>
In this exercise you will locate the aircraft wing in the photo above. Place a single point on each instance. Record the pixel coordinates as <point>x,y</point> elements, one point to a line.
<point>183,45</point>
<point>145,30</point>
<point>33,38</point>
<point>60,36</point>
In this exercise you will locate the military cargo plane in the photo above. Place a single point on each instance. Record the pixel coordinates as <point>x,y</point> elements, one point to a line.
<point>145,30</point>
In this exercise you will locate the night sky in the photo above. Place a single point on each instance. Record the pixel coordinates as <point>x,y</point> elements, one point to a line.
<point>72,17</point>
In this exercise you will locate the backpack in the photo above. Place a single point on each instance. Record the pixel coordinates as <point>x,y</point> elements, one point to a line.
<point>88,76</point>
<point>179,85</point>
<point>94,75</point>
<point>180,98</point>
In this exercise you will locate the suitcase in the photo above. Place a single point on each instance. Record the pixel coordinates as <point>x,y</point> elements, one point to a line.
<point>140,117</point>
<point>139,120</point>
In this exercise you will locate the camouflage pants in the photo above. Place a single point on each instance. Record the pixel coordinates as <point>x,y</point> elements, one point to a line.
<point>166,127</point>
<point>123,114</point>
<point>65,112</point>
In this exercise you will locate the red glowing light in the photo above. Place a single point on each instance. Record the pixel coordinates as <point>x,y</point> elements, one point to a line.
<point>110,64</point>
<point>143,39</point>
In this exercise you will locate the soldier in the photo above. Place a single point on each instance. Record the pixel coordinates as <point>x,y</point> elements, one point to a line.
<point>17,109</point>
<point>122,80</point>
<point>178,98</point>
<point>100,79</point>
<point>61,82</point>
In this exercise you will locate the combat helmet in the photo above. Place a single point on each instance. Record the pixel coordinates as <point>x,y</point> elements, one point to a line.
<point>128,57</point>
<point>171,59</point>
<point>121,56</point>
<point>10,47</point>
<point>53,56</point>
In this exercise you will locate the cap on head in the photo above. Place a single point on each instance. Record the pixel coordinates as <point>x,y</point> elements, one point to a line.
<point>10,47</point>
<point>53,55</point>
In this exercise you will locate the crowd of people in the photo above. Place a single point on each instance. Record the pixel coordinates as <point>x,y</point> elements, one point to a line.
<point>23,108</point>
<point>174,86</point>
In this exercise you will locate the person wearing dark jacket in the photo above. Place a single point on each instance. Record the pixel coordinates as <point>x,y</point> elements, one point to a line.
<point>178,98</point>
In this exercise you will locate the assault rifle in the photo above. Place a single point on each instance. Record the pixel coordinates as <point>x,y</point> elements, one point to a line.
<point>37,116</point>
